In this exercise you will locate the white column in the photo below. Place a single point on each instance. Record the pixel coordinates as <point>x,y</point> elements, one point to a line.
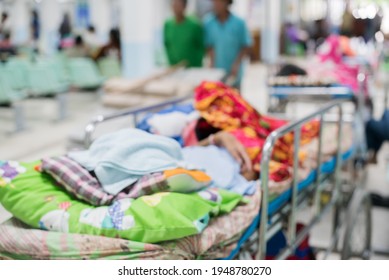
<point>51,17</point>
<point>291,10</point>
<point>137,32</point>
<point>20,20</point>
<point>241,8</point>
<point>191,9</point>
<point>271,28</point>
<point>161,11</point>
<point>100,15</point>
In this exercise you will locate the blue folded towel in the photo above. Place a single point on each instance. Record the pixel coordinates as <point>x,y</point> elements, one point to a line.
<point>121,158</point>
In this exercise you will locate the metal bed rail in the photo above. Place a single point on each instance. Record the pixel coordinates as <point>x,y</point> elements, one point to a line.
<point>279,97</point>
<point>311,91</point>
<point>265,231</point>
<point>293,238</point>
<point>91,127</point>
<point>319,93</point>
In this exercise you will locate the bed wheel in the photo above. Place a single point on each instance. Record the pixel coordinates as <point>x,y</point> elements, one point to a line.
<point>357,237</point>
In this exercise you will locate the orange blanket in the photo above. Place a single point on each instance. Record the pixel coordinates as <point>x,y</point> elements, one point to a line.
<point>223,108</point>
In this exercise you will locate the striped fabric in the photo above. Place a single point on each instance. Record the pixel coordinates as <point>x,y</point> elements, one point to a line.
<point>78,181</point>
<point>147,185</point>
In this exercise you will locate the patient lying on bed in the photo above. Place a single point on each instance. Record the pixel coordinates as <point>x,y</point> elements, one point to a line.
<point>235,148</point>
<point>226,117</point>
<point>129,184</point>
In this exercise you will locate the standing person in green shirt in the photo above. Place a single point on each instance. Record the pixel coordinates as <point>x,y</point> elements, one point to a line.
<point>183,37</point>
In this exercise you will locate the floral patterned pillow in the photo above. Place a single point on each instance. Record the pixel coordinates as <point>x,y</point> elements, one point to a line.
<point>35,198</point>
<point>9,170</point>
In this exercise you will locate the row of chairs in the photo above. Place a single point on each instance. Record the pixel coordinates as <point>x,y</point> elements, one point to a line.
<point>50,78</point>
<point>57,74</point>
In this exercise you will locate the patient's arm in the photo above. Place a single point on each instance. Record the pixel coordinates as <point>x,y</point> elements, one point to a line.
<point>233,146</point>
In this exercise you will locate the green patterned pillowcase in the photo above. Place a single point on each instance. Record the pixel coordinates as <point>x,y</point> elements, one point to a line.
<point>35,199</point>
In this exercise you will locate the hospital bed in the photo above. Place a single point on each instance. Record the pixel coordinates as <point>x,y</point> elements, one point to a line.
<point>242,239</point>
<point>280,212</point>
<point>281,95</point>
<point>313,186</point>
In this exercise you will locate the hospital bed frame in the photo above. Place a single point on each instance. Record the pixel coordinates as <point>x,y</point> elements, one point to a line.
<point>269,225</point>
<point>358,202</point>
<point>280,96</point>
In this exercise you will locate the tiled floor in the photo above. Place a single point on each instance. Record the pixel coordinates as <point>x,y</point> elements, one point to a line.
<point>45,137</point>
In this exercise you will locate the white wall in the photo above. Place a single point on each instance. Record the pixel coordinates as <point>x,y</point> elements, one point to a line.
<point>19,15</point>
<point>241,8</point>
<point>271,31</point>
<point>51,17</point>
<point>100,13</point>
<point>137,31</point>
<point>291,11</point>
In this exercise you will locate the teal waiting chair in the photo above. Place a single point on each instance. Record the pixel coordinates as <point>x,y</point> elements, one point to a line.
<point>10,98</point>
<point>84,74</point>
<point>109,67</point>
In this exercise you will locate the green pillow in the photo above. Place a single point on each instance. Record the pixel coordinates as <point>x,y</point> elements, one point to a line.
<point>34,198</point>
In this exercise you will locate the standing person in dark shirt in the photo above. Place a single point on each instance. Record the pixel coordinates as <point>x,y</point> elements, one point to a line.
<point>65,30</point>
<point>113,48</point>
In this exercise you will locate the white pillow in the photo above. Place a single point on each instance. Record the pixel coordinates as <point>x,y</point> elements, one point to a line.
<point>171,124</point>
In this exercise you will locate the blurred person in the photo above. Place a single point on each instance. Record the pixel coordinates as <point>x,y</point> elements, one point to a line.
<point>65,29</point>
<point>377,132</point>
<point>113,48</point>
<point>5,24</point>
<point>183,37</point>
<point>6,47</point>
<point>228,41</point>
<point>35,28</point>
<point>346,29</point>
<point>320,31</point>
<point>78,50</point>
<point>91,39</point>
<point>35,25</point>
<point>5,42</point>
<point>373,26</point>
<point>296,35</point>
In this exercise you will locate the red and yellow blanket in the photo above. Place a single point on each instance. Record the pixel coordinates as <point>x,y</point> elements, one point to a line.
<point>223,108</point>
